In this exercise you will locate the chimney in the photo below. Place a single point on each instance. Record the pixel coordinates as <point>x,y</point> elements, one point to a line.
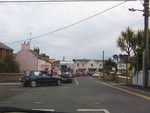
<point>37,50</point>
<point>25,46</point>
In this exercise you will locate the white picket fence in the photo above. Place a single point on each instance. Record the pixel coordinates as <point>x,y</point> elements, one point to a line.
<point>138,79</point>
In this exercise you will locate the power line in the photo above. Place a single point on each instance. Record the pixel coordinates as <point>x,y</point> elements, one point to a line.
<point>33,1</point>
<point>73,24</point>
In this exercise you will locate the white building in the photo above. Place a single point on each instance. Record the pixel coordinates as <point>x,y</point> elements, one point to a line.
<point>88,65</point>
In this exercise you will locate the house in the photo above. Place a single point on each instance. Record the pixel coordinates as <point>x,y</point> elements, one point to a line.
<point>32,59</point>
<point>4,51</point>
<point>122,64</point>
<point>84,65</point>
<point>67,65</point>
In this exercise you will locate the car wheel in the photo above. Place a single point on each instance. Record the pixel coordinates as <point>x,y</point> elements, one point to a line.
<point>33,83</point>
<point>58,83</point>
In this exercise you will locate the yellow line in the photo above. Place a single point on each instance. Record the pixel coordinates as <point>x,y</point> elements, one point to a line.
<point>131,92</point>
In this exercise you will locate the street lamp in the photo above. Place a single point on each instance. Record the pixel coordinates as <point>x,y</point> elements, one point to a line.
<point>132,9</point>
<point>146,41</point>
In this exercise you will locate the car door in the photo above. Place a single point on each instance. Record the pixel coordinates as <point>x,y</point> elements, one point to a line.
<point>39,77</point>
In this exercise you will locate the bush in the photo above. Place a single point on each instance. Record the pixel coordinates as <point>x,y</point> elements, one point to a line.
<point>9,65</point>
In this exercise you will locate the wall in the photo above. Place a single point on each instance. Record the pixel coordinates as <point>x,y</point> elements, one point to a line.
<point>10,77</point>
<point>138,79</point>
<point>27,61</point>
<point>123,79</point>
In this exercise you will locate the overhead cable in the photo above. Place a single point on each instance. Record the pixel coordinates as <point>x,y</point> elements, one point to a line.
<point>68,26</point>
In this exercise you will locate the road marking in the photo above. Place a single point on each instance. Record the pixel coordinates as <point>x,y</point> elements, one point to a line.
<point>6,102</point>
<point>127,91</point>
<point>38,102</point>
<point>44,109</point>
<point>77,83</point>
<point>103,110</point>
<point>19,89</point>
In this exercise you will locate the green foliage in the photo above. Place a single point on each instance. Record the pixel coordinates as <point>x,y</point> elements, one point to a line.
<point>9,65</point>
<point>109,64</point>
<point>127,41</point>
<point>131,41</point>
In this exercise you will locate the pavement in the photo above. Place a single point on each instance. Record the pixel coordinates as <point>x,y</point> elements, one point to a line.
<point>9,83</point>
<point>134,88</point>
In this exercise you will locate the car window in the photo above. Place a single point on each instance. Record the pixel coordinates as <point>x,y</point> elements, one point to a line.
<point>37,73</point>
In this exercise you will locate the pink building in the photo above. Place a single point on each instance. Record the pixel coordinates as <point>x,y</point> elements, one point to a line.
<point>31,59</point>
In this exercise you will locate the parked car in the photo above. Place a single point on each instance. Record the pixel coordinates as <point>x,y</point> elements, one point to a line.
<point>67,77</point>
<point>36,77</point>
<point>95,75</point>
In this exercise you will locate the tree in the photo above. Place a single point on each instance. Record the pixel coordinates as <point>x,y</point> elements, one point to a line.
<point>127,41</point>
<point>140,47</point>
<point>9,65</point>
<point>133,42</point>
<point>109,64</point>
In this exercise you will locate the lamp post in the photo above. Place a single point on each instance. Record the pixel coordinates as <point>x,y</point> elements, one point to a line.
<point>146,41</point>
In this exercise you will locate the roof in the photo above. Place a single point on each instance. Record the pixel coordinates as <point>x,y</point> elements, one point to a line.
<point>39,56</point>
<point>5,47</point>
<point>87,60</point>
<point>124,59</point>
<point>36,54</point>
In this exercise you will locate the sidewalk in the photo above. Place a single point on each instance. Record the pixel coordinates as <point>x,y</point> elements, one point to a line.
<point>9,83</point>
<point>133,88</point>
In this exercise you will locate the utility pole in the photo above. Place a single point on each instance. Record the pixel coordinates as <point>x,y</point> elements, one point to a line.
<point>146,41</point>
<point>30,37</point>
<point>103,63</point>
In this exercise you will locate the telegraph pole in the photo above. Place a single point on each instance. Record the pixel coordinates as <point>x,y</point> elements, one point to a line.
<point>103,63</point>
<point>146,41</point>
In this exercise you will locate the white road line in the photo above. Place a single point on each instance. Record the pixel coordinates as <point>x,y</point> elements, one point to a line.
<point>19,89</point>
<point>77,83</point>
<point>44,109</point>
<point>38,102</point>
<point>94,110</point>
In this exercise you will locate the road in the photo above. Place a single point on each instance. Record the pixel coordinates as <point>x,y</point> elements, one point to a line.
<point>85,95</point>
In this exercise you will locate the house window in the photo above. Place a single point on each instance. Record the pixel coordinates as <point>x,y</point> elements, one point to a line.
<point>91,65</point>
<point>78,64</point>
<point>83,65</point>
<point>100,65</point>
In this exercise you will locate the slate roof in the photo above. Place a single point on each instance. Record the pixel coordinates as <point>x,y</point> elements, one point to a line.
<point>39,56</point>
<point>5,47</point>
<point>87,60</point>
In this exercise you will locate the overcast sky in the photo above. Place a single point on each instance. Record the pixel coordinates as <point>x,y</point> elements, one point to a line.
<point>86,39</point>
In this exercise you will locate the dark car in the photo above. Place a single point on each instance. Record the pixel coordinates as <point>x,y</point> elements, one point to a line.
<point>67,77</point>
<point>36,77</point>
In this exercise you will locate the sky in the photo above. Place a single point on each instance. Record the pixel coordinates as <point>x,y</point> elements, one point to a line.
<point>74,29</point>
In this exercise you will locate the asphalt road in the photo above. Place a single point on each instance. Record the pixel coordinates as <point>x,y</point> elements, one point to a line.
<point>85,95</point>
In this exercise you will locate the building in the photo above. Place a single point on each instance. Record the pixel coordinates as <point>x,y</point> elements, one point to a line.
<point>122,63</point>
<point>83,65</point>
<point>67,65</point>
<point>4,51</point>
<point>32,59</point>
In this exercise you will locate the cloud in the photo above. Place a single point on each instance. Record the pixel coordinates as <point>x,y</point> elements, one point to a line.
<point>85,40</point>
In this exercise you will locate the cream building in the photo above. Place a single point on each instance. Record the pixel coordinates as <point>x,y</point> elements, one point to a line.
<point>88,65</point>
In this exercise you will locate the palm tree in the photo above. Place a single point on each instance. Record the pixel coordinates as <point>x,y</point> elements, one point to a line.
<point>127,41</point>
